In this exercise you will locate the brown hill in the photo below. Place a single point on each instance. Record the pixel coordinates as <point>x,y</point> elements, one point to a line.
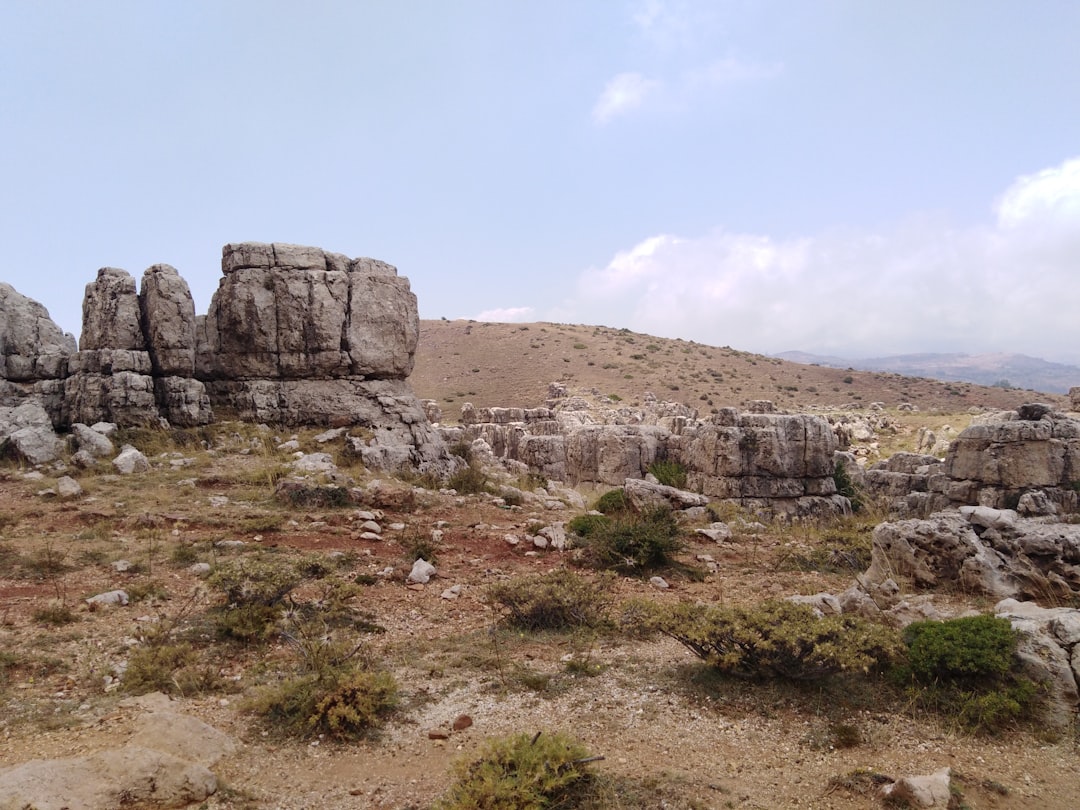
<point>511,364</point>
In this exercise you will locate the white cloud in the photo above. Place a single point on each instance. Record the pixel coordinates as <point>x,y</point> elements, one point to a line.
<point>506,315</point>
<point>625,92</point>
<point>1049,194</point>
<point>920,285</point>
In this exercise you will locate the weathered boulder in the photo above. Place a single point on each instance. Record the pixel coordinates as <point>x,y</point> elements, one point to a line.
<point>645,495</point>
<point>293,312</point>
<point>32,346</point>
<point>1049,651</point>
<point>997,460</point>
<point>28,430</point>
<point>986,551</point>
<point>167,317</point>
<point>111,313</point>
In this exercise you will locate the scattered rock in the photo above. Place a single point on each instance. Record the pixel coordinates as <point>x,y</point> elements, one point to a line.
<point>422,572</point>
<point>130,461</point>
<point>108,598</point>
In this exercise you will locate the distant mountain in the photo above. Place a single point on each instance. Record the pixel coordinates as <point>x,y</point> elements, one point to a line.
<point>1003,370</point>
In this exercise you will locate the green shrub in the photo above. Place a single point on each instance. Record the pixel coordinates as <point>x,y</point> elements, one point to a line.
<point>965,670</point>
<point>846,487</point>
<point>158,665</point>
<point>55,613</point>
<point>970,648</point>
<point>778,639</point>
<point>556,601</point>
<point>669,473</point>
<point>345,703</point>
<point>520,773</point>
<point>255,589</point>
<point>585,525</point>
<point>469,480</point>
<point>634,542</point>
<point>612,502</point>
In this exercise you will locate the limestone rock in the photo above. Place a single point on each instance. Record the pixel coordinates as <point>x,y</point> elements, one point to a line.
<point>645,496</point>
<point>29,431</point>
<point>90,440</point>
<point>111,313</point>
<point>32,346</point>
<point>931,790</point>
<point>293,312</point>
<point>106,780</point>
<point>167,314</point>
<point>422,572</point>
<point>130,461</point>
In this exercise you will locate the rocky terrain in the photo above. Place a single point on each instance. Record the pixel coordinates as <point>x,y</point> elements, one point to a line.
<point>168,452</point>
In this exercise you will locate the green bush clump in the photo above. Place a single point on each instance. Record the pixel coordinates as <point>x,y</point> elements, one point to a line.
<point>520,773</point>
<point>469,480</point>
<point>846,487</point>
<point>966,669</point>
<point>559,600</point>
<point>669,473</point>
<point>585,525</point>
<point>255,589</point>
<point>777,639</point>
<point>612,502</point>
<point>633,542</point>
<point>969,648</point>
<point>345,703</point>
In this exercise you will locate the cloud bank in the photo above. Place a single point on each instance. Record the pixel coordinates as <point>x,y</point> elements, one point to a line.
<point>506,315</point>
<point>920,285</point>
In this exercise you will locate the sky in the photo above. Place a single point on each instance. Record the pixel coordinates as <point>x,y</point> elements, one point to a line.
<point>850,177</point>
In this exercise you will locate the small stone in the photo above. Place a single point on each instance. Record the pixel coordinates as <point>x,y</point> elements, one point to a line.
<point>659,582</point>
<point>67,487</point>
<point>462,722</point>
<point>109,598</point>
<point>438,734</point>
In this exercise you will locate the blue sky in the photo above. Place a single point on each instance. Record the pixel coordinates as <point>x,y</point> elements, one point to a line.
<point>857,177</point>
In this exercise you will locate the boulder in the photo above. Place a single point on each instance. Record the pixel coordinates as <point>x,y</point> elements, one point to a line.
<point>645,496</point>
<point>111,313</point>
<point>28,430</point>
<point>293,312</point>
<point>167,316</point>
<point>32,346</point>
<point>130,461</point>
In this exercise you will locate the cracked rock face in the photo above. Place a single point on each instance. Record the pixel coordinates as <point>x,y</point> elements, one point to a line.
<point>292,312</point>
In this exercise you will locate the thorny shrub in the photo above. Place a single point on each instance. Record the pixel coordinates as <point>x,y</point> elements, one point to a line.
<point>559,600</point>
<point>520,773</point>
<point>634,543</point>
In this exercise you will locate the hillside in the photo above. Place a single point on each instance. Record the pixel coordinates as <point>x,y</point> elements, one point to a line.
<point>511,365</point>
<point>999,369</point>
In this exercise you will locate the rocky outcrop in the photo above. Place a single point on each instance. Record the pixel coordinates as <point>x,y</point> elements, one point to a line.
<point>291,312</point>
<point>300,336</point>
<point>981,550</point>
<point>995,462</point>
<point>32,346</point>
<point>135,362</point>
<point>779,462</point>
<point>166,762</point>
<point>34,356</point>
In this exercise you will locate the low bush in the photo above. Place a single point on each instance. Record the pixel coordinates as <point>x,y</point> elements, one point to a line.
<point>255,589</point>
<point>174,668</point>
<point>966,670</point>
<point>469,480</point>
<point>634,543</point>
<point>559,600</point>
<point>669,473</point>
<point>520,773</point>
<point>846,487</point>
<point>612,502</point>
<point>55,613</point>
<point>585,525</point>
<point>777,639</point>
<point>345,703</point>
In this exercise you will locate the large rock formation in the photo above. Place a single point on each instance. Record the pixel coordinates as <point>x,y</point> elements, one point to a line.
<point>298,335</point>
<point>135,362</point>
<point>34,356</point>
<point>780,462</point>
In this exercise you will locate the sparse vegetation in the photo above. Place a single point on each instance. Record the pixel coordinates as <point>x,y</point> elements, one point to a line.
<point>560,600</point>
<point>520,773</point>
<point>669,473</point>
<point>778,639</point>
<point>634,543</point>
